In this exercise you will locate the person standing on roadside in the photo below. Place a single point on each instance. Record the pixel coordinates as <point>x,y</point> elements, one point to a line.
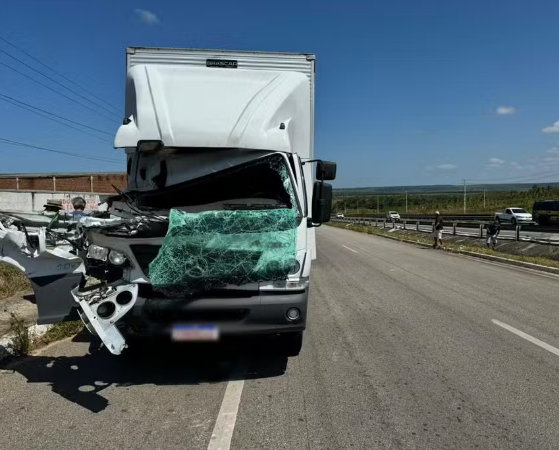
<point>493,231</point>
<point>438,234</point>
<point>79,205</point>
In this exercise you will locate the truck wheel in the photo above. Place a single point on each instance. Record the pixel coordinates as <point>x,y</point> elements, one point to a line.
<point>290,343</point>
<point>513,221</point>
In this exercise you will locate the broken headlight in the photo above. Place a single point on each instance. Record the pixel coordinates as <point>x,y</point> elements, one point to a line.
<point>97,252</point>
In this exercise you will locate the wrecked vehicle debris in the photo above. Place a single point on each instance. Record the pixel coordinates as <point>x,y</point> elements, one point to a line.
<point>214,235</point>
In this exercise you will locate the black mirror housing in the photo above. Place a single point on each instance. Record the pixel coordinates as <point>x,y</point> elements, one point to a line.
<point>326,170</point>
<point>321,203</point>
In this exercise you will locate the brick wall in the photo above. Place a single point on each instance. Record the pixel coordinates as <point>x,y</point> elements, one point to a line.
<point>102,183</point>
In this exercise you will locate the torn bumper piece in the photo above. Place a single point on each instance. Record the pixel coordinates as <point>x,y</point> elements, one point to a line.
<point>102,307</point>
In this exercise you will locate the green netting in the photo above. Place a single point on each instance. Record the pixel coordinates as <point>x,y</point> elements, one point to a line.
<point>214,248</point>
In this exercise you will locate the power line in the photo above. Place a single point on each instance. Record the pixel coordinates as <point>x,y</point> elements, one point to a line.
<point>58,73</point>
<point>75,155</point>
<point>44,114</point>
<point>55,115</point>
<point>54,90</point>
<point>57,82</point>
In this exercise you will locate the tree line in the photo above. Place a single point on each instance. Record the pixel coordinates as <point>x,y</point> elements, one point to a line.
<point>477,202</point>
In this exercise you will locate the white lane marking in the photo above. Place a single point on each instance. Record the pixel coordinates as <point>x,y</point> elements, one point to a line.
<point>532,339</point>
<point>350,249</point>
<point>225,423</point>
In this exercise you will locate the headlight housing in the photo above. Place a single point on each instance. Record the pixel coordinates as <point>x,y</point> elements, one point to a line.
<point>97,252</point>
<point>295,267</point>
<point>117,258</point>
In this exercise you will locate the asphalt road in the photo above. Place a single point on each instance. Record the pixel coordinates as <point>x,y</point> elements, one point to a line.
<point>402,351</point>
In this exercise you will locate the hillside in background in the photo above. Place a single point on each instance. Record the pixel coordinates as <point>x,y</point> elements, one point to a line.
<point>449,199</point>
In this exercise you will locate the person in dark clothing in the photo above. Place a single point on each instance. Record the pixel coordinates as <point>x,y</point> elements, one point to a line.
<point>438,234</point>
<point>493,231</point>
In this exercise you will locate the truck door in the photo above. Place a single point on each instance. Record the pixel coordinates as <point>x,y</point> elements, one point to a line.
<point>52,273</point>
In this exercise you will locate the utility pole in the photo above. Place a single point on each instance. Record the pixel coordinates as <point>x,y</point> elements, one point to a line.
<point>406,202</point>
<point>464,196</point>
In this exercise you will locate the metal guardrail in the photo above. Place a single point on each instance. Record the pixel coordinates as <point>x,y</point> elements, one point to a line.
<point>451,217</point>
<point>479,227</point>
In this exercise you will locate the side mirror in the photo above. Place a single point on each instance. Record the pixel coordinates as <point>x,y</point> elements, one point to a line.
<point>326,170</point>
<point>321,203</point>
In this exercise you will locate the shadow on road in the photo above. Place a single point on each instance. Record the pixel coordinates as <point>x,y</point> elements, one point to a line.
<point>80,379</point>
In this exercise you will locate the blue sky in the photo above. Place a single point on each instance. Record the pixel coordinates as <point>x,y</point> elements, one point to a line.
<point>408,92</point>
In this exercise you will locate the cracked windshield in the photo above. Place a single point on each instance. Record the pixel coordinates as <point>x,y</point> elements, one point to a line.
<point>297,226</point>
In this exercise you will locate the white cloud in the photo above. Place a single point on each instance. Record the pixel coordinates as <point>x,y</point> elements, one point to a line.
<point>553,151</point>
<point>505,110</point>
<point>552,129</point>
<point>497,161</point>
<point>147,16</point>
<point>516,165</point>
<point>446,167</point>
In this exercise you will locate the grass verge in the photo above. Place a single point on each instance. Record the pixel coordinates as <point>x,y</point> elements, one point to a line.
<point>12,281</point>
<point>57,332</point>
<point>448,246</point>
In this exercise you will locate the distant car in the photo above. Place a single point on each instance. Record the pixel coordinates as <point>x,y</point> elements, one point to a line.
<point>514,216</point>
<point>340,216</point>
<point>393,216</point>
<point>546,212</point>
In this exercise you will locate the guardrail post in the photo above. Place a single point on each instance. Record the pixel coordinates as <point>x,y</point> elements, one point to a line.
<point>417,225</point>
<point>433,230</point>
<point>517,232</point>
<point>384,224</point>
<point>454,228</point>
<point>404,224</point>
<point>393,224</point>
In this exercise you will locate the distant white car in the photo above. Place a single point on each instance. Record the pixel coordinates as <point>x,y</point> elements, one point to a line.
<point>340,216</point>
<point>514,216</point>
<point>393,216</point>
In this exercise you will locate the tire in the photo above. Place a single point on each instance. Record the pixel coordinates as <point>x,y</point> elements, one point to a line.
<point>498,220</point>
<point>290,344</point>
<point>513,221</point>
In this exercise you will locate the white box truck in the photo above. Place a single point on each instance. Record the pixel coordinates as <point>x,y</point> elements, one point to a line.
<point>214,235</point>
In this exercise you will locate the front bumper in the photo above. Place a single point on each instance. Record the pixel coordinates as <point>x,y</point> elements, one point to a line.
<point>112,311</point>
<point>264,313</point>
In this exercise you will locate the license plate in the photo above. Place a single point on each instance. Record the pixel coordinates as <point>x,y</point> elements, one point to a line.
<point>195,333</point>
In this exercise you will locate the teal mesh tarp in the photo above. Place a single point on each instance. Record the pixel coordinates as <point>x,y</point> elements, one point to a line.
<point>214,248</point>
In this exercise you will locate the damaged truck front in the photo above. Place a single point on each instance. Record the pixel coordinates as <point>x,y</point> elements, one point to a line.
<point>214,235</point>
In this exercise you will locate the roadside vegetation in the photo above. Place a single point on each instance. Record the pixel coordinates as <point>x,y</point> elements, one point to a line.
<point>12,281</point>
<point>352,202</point>
<point>448,246</point>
